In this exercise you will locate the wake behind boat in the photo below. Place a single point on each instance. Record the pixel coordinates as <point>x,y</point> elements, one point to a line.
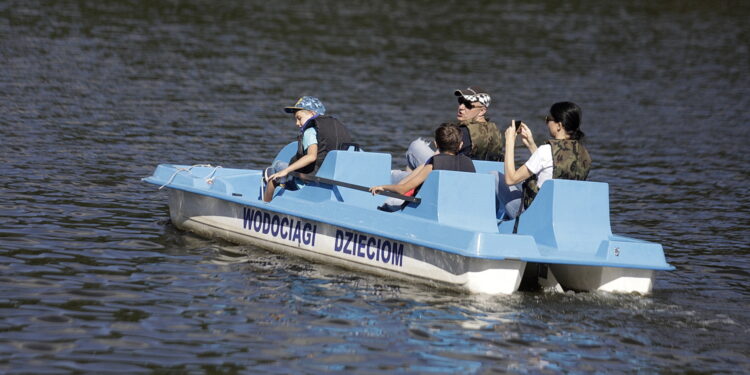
<point>448,235</point>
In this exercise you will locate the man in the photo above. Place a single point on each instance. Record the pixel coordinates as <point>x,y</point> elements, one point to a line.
<point>481,138</point>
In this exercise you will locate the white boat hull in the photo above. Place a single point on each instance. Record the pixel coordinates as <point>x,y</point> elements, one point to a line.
<point>317,241</point>
<point>607,279</point>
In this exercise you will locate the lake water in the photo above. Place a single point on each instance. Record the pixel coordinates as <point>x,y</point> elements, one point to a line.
<point>95,94</point>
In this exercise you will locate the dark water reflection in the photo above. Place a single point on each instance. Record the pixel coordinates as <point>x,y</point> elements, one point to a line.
<point>95,94</point>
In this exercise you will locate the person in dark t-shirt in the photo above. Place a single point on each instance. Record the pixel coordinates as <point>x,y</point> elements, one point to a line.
<point>448,139</point>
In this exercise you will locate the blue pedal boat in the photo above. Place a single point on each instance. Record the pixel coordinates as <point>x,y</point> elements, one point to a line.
<point>449,236</point>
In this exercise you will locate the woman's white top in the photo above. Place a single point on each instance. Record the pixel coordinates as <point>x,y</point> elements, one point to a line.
<point>540,164</point>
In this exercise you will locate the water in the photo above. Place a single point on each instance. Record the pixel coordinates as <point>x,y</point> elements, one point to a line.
<point>95,94</point>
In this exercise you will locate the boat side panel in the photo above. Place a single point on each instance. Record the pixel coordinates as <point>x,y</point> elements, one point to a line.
<point>213,217</point>
<point>428,233</point>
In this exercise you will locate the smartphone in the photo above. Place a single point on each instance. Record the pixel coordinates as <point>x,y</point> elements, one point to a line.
<point>518,126</point>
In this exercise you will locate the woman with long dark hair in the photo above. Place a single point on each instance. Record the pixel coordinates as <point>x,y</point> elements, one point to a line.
<point>563,156</point>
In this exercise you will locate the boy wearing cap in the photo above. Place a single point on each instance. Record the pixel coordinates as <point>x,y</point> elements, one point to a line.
<point>318,134</point>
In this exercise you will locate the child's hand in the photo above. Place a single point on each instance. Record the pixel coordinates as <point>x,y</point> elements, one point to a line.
<point>278,175</point>
<point>376,190</point>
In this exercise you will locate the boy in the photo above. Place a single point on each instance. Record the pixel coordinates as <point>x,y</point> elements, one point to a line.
<point>318,135</point>
<point>448,139</point>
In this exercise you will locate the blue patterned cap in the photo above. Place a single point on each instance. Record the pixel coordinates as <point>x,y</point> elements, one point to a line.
<point>309,103</point>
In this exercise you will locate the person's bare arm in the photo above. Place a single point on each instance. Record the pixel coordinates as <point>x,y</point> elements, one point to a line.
<point>415,179</point>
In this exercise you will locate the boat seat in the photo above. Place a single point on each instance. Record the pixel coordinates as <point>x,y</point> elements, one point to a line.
<point>490,167</point>
<point>287,152</point>
<point>354,167</point>
<point>568,215</point>
<point>485,166</point>
<point>459,199</point>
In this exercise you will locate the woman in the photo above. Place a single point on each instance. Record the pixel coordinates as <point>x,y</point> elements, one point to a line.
<point>563,156</point>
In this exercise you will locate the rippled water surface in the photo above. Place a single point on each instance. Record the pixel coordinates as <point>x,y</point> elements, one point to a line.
<point>95,94</point>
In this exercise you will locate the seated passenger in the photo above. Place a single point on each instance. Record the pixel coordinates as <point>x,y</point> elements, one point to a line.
<point>564,157</point>
<point>481,138</point>
<point>448,139</point>
<point>318,134</point>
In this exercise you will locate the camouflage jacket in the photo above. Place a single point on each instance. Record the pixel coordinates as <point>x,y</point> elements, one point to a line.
<point>570,161</point>
<point>486,141</point>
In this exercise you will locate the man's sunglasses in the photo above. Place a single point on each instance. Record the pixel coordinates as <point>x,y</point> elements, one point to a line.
<point>468,104</point>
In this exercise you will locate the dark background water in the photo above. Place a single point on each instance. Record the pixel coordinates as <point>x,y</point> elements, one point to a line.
<point>95,94</point>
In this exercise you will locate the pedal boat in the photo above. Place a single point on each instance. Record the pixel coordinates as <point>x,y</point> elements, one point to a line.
<point>448,236</point>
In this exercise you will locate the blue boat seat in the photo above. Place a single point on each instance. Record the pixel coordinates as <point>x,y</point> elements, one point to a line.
<point>287,152</point>
<point>354,167</point>
<point>488,167</point>
<point>568,215</point>
<point>484,166</point>
<point>460,199</point>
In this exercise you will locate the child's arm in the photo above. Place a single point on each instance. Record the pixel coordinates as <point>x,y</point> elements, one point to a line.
<point>411,175</point>
<point>415,179</point>
<point>310,157</point>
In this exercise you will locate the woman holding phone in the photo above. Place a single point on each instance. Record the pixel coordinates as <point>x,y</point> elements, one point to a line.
<point>563,156</point>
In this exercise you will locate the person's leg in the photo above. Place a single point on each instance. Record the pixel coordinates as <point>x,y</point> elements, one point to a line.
<point>513,207</point>
<point>278,166</point>
<point>270,186</point>
<point>268,193</point>
<point>417,154</point>
<point>397,176</point>
<point>508,197</point>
